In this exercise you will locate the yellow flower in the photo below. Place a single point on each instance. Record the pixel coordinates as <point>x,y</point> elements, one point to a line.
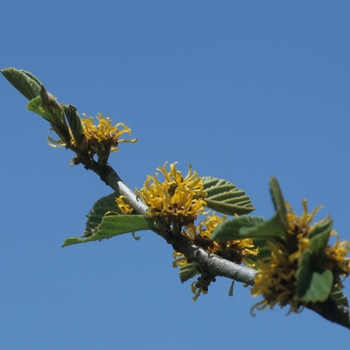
<point>191,182</point>
<point>100,139</point>
<point>301,225</point>
<point>276,280</point>
<point>335,259</point>
<point>124,207</point>
<point>236,251</point>
<point>176,198</point>
<point>104,133</point>
<point>200,287</point>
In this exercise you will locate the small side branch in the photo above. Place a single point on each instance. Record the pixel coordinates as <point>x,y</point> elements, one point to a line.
<point>214,264</point>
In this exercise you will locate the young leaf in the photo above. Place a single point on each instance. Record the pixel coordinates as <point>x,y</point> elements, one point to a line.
<point>23,81</point>
<point>304,273</point>
<point>50,105</point>
<point>97,212</point>
<point>319,241</point>
<point>314,284</point>
<point>225,197</point>
<point>74,122</point>
<point>230,229</point>
<point>188,271</point>
<point>113,226</point>
<point>31,76</point>
<point>35,106</point>
<point>327,225</point>
<point>278,201</point>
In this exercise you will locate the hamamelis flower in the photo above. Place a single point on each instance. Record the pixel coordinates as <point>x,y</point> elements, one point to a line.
<point>176,198</point>
<point>335,259</point>
<point>276,280</point>
<point>124,207</point>
<point>301,225</point>
<point>236,250</point>
<point>100,139</point>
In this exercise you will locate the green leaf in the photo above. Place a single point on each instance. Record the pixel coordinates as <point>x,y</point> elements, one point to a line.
<point>113,226</point>
<point>98,211</point>
<point>225,197</point>
<point>50,105</point>
<point>278,202</point>
<point>230,228</point>
<point>35,106</point>
<point>314,284</point>
<point>271,229</point>
<point>31,76</point>
<point>318,242</point>
<point>188,271</point>
<point>74,122</point>
<point>23,81</point>
<point>320,228</point>
<point>320,286</point>
<point>304,273</point>
<point>338,296</point>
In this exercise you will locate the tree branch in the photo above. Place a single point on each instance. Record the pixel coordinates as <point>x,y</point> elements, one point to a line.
<point>211,263</point>
<point>214,264</point>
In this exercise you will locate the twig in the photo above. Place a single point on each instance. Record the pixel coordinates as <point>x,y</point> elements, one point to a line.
<point>211,263</point>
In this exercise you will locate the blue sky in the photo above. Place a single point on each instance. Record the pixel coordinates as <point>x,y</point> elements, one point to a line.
<point>242,90</point>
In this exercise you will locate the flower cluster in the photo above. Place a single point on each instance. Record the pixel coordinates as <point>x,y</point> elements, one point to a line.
<point>236,250</point>
<point>276,277</point>
<point>177,200</point>
<point>335,259</point>
<point>100,139</point>
<point>175,203</point>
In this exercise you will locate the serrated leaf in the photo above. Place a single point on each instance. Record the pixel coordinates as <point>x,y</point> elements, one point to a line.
<point>338,296</point>
<point>98,211</point>
<point>271,229</point>
<point>115,225</point>
<point>23,81</point>
<point>230,228</point>
<point>318,242</point>
<point>314,284</point>
<point>278,201</point>
<point>224,197</point>
<point>188,271</point>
